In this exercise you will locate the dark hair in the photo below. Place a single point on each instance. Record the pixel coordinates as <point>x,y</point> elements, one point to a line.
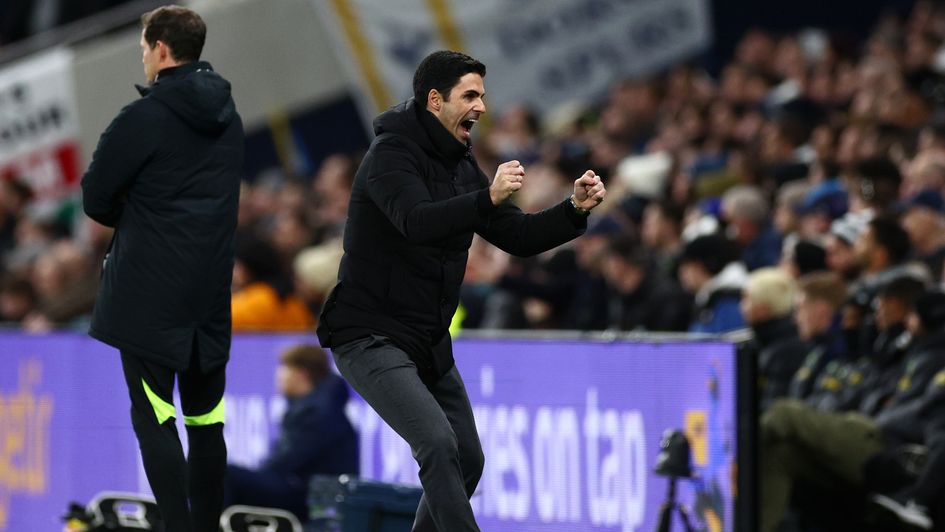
<point>309,358</point>
<point>930,308</point>
<point>629,250</point>
<point>261,261</point>
<point>892,237</point>
<point>671,211</point>
<point>18,287</point>
<point>879,181</point>
<point>181,29</point>
<point>904,288</point>
<point>809,257</point>
<point>441,71</point>
<point>714,252</point>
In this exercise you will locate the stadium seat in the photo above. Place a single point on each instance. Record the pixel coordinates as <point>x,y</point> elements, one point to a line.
<point>239,518</point>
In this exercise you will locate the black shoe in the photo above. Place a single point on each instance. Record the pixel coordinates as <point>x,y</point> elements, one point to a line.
<point>907,511</point>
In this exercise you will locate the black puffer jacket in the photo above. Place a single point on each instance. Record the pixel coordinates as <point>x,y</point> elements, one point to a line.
<point>905,417</point>
<point>417,199</point>
<point>780,354</point>
<point>166,176</point>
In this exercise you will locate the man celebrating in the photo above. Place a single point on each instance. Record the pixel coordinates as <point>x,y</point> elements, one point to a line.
<point>417,199</point>
<point>166,176</point>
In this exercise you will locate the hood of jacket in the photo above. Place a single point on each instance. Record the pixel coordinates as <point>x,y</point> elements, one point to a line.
<point>197,94</point>
<point>421,126</point>
<point>732,278</point>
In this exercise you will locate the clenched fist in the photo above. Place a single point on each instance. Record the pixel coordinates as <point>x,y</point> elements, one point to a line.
<point>508,178</point>
<point>589,191</point>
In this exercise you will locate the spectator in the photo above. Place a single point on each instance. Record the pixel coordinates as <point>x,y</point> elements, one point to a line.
<point>817,314</point>
<point>315,437</point>
<point>801,257</point>
<point>66,285</point>
<point>923,219</point>
<point>881,250</point>
<point>587,311</point>
<point>290,234</point>
<point>745,210</point>
<point>767,304</point>
<point>316,273</point>
<point>262,292</point>
<point>486,265</point>
<point>790,196</point>
<point>799,442</point>
<point>864,377</point>
<point>643,298</point>
<point>822,205</point>
<point>875,184</point>
<point>515,137</point>
<point>34,236</point>
<point>840,255</point>
<point>15,195</point>
<point>331,190</point>
<point>662,234</point>
<point>925,172</point>
<point>17,300</point>
<point>710,271</point>
<point>875,378</point>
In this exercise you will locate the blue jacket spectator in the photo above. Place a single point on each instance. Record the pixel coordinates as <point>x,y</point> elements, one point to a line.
<point>746,211</point>
<point>708,269</point>
<point>315,437</point>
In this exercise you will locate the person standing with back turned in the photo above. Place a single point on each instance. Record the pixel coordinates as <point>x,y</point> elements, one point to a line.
<point>417,199</point>
<point>166,176</point>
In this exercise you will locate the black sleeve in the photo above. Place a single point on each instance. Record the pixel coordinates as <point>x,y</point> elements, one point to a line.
<point>395,186</point>
<point>123,149</point>
<point>523,235</point>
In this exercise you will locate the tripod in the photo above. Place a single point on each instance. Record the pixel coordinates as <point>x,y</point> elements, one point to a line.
<point>670,504</point>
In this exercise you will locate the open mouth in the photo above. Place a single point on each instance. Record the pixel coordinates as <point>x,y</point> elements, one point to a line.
<point>468,124</point>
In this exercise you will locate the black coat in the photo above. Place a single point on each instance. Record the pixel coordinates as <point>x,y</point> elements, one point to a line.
<point>416,201</point>
<point>906,415</point>
<point>166,176</point>
<point>658,304</point>
<point>780,354</point>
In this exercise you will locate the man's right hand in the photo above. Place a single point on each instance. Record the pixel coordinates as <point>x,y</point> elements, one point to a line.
<point>508,178</point>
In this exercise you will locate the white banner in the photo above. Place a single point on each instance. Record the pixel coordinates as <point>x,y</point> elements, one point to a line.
<point>540,52</point>
<point>39,124</point>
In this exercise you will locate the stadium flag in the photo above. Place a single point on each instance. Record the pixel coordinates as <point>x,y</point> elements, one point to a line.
<point>537,52</point>
<point>39,125</point>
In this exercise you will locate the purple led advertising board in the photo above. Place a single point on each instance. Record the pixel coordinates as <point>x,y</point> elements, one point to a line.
<point>570,429</point>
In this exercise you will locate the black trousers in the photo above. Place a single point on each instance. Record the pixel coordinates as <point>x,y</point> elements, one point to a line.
<point>189,491</point>
<point>436,420</point>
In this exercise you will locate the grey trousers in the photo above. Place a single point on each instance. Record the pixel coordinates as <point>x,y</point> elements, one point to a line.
<point>435,420</point>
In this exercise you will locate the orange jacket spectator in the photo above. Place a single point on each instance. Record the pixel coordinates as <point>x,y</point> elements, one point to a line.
<point>258,307</point>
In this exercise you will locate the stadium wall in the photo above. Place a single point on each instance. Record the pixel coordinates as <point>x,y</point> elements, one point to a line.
<point>570,427</point>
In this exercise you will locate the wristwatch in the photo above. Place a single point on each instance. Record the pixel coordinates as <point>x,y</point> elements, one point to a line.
<point>579,210</point>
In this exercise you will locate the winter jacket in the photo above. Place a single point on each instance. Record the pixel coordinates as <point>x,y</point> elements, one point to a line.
<point>780,353</point>
<point>717,304</point>
<point>315,436</point>
<point>166,176</point>
<point>416,201</point>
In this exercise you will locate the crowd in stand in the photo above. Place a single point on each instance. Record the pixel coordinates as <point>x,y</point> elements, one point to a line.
<point>798,193</point>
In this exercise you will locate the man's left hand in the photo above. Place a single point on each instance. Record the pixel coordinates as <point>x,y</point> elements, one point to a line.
<point>589,190</point>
